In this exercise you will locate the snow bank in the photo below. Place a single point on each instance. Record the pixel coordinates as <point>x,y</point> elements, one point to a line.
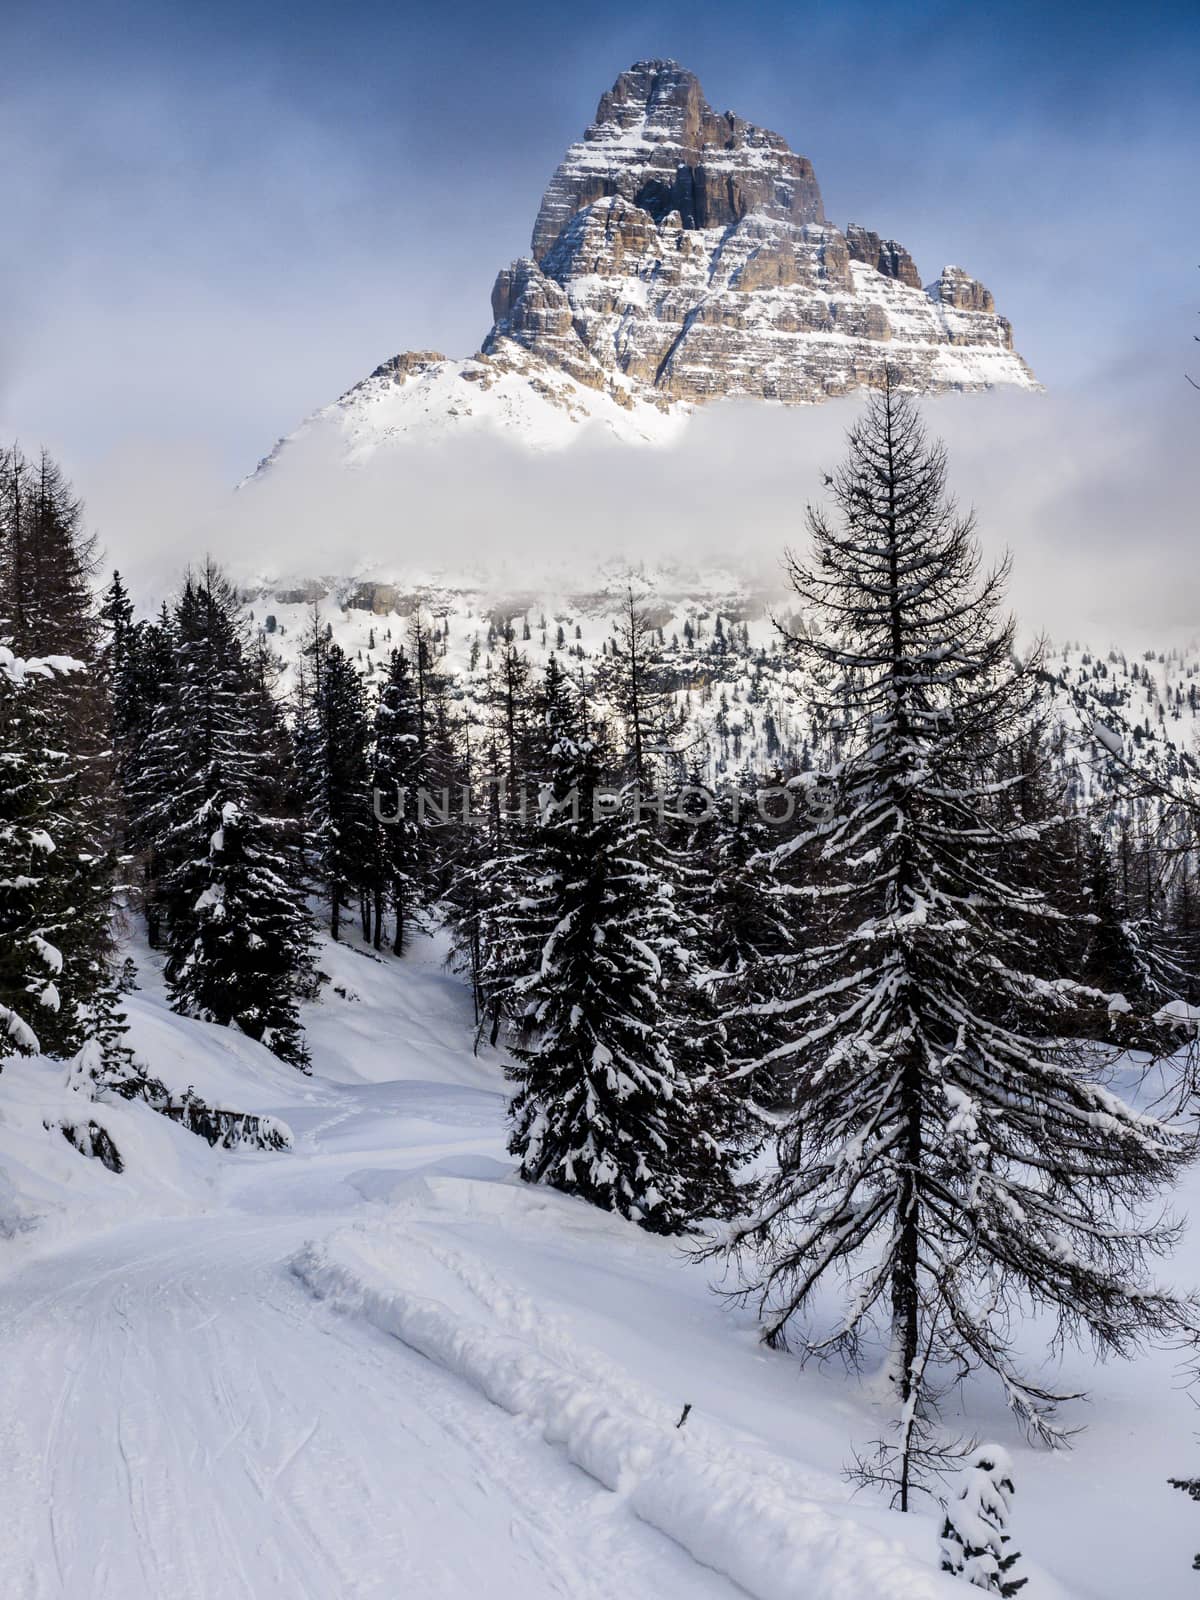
<point>728,1509</point>
<point>50,1191</point>
<point>225,1068</point>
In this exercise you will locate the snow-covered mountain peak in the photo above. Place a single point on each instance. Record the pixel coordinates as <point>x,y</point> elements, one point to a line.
<point>422,397</point>
<point>679,256</point>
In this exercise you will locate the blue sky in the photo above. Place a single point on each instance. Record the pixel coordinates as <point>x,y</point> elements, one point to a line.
<point>227,213</point>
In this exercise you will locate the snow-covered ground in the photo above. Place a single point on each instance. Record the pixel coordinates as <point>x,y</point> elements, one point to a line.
<point>378,1365</point>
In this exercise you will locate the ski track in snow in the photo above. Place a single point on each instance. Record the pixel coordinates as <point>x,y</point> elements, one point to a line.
<point>194,1426</point>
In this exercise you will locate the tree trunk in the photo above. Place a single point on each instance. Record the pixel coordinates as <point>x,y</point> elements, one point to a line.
<point>906,1304</point>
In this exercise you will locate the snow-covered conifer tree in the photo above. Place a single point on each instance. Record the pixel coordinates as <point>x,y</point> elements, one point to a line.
<point>950,1152</point>
<point>333,749</point>
<point>753,930</point>
<point>238,935</point>
<point>975,1528</point>
<point>396,775</point>
<point>604,1107</point>
<point>487,900</point>
<point>31,908</point>
<point>636,687</point>
<point>46,607</point>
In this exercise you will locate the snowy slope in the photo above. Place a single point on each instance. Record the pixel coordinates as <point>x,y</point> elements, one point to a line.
<point>742,696</point>
<point>377,1365</point>
<point>420,399</point>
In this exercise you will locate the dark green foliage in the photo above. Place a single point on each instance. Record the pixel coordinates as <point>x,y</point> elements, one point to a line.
<point>608,1105</point>
<point>206,795</point>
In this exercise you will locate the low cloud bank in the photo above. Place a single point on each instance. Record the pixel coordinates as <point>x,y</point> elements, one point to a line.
<point>1094,492</point>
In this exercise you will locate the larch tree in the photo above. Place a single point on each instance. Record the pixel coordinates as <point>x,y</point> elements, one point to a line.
<point>636,687</point>
<point>949,1149</point>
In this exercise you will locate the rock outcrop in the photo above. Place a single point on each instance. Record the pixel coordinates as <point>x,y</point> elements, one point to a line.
<point>657,143</point>
<point>689,251</point>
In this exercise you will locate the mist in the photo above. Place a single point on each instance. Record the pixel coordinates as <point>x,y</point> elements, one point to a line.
<point>1093,495</point>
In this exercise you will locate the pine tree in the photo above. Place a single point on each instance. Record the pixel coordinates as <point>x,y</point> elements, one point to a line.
<point>46,608</point>
<point>31,961</point>
<point>948,1149</point>
<point>144,758</point>
<point>397,762</point>
<point>240,941</point>
<point>446,766</point>
<point>754,931</point>
<point>489,896</point>
<point>106,1061</point>
<point>117,620</point>
<point>237,931</point>
<point>333,740</point>
<point>500,925</point>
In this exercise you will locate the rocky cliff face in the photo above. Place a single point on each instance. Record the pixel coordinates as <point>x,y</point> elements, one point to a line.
<point>682,255</point>
<point>689,251</point>
<point>657,143</point>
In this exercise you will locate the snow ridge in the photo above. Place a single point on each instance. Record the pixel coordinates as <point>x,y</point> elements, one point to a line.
<point>718,1504</point>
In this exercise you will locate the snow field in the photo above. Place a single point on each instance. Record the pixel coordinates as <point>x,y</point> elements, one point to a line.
<point>377,1365</point>
<point>730,1511</point>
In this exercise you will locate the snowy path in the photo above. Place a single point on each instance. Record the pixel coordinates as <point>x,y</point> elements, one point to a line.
<point>376,1367</point>
<point>180,1419</point>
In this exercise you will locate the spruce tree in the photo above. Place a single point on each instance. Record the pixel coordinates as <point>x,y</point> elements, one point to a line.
<point>975,1534</point>
<point>237,931</point>
<point>638,689</point>
<point>488,898</point>
<point>396,776</point>
<point>949,1150</point>
<point>604,1108</point>
<point>31,907</point>
<point>497,903</point>
<point>333,740</point>
<point>753,930</point>
<point>145,761</point>
<point>678,843</point>
<point>448,763</point>
<point>47,560</point>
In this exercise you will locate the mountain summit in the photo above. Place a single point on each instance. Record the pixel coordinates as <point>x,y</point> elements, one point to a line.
<point>689,250</point>
<point>682,255</point>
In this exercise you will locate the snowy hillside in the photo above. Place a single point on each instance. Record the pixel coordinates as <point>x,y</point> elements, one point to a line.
<point>422,398</point>
<point>738,691</point>
<point>378,1364</point>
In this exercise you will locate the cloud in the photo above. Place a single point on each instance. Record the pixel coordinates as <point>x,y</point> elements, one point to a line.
<point>1093,491</point>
